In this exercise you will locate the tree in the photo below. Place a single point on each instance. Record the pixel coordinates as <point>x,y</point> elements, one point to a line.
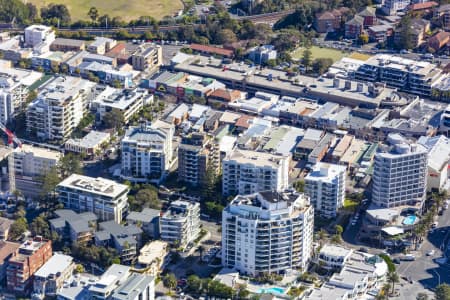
<point>93,14</point>
<point>55,14</point>
<point>406,36</point>
<point>307,58</point>
<point>339,230</point>
<point>17,229</point>
<point>363,39</point>
<point>70,164</point>
<point>336,239</point>
<point>299,186</point>
<point>49,181</point>
<point>321,65</point>
<point>147,197</point>
<point>194,283</point>
<point>442,292</point>
<point>393,278</point>
<point>39,226</point>
<point>170,281</point>
<point>114,119</point>
<point>79,268</point>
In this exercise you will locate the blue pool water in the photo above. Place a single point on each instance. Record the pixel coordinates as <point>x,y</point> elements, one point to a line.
<point>272,290</point>
<point>409,220</point>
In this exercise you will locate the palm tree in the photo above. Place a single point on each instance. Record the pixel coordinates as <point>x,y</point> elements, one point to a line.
<point>393,278</point>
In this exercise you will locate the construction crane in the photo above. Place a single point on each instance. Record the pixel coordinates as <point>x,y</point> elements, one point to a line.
<point>11,169</point>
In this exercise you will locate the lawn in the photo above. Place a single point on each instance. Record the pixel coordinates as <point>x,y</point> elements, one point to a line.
<point>318,52</point>
<point>350,204</point>
<point>126,9</point>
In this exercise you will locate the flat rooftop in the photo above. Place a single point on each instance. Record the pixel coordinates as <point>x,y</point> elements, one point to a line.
<point>56,264</point>
<point>255,158</point>
<point>99,185</point>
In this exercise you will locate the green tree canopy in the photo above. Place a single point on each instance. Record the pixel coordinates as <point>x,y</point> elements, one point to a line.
<point>17,229</point>
<point>442,292</point>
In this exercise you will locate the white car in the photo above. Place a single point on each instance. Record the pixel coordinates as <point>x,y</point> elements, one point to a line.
<point>430,253</point>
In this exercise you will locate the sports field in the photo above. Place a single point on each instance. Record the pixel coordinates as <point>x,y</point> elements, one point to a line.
<point>126,9</point>
<point>318,52</point>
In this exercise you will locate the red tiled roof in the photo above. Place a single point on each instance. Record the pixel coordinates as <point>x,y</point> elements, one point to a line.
<point>226,95</point>
<point>425,5</point>
<point>212,50</point>
<point>244,121</point>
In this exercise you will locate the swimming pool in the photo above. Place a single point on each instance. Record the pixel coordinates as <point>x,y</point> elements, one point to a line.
<point>272,290</point>
<point>409,220</point>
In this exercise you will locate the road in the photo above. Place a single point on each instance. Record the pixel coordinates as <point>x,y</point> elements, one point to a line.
<point>424,270</point>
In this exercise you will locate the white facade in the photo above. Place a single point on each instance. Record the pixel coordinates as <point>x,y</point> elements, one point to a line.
<point>438,148</point>
<point>392,7</point>
<point>180,224</point>
<point>147,151</point>
<point>89,144</point>
<point>333,256</point>
<point>34,161</point>
<point>51,276</point>
<point>325,184</point>
<point>247,172</point>
<point>12,95</point>
<point>136,287</point>
<point>37,34</point>
<point>267,232</point>
<point>128,102</point>
<point>59,108</point>
<point>399,176</point>
<point>104,197</point>
<point>445,121</point>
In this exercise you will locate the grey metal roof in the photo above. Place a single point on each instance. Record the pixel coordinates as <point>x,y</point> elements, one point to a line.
<point>132,287</point>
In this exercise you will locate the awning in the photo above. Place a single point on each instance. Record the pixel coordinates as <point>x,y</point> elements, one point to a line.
<point>393,230</point>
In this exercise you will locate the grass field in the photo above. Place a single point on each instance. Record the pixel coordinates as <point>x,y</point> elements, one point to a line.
<point>318,52</point>
<point>126,9</point>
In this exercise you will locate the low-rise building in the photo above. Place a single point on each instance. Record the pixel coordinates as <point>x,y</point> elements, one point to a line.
<point>333,256</point>
<point>6,251</point>
<point>438,148</point>
<point>39,37</point>
<point>439,40</point>
<point>89,145</point>
<point>76,228</point>
<point>262,54</point>
<point>329,21</point>
<point>101,45</point>
<point>354,27</point>
<point>66,45</point>
<point>180,224</point>
<point>125,239</point>
<point>136,287</point>
<point>147,57</point>
<point>126,102</point>
<point>147,152</point>
<point>51,276</point>
<point>104,197</point>
<point>153,257</point>
<point>115,276</point>
<point>31,161</point>
<point>147,220</point>
<point>25,262</point>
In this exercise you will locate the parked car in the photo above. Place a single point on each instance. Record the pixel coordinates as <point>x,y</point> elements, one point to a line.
<point>396,261</point>
<point>430,253</point>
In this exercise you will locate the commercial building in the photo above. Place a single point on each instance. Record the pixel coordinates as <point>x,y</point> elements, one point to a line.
<point>415,77</point>
<point>267,232</point>
<point>66,45</point>
<point>180,224</point>
<point>147,152</point>
<point>38,34</point>
<point>59,108</point>
<point>198,154</point>
<point>438,148</point>
<point>147,57</point>
<point>90,144</point>
<point>136,287</point>
<point>127,102</point>
<point>325,185</point>
<point>51,276</point>
<point>247,172</point>
<point>400,174</point>
<point>125,239</point>
<point>73,227</point>
<point>34,161</point>
<point>104,197</point>
<point>25,262</point>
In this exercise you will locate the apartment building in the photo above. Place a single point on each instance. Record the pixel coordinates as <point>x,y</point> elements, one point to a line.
<point>107,199</point>
<point>198,154</point>
<point>73,227</point>
<point>113,278</point>
<point>101,45</point>
<point>127,102</point>
<point>247,172</point>
<point>400,174</point>
<point>147,220</point>
<point>147,151</point>
<point>333,257</point>
<point>59,108</point>
<point>125,239</point>
<point>325,185</point>
<point>444,125</point>
<point>37,34</point>
<point>25,262</point>
<point>34,161</point>
<point>392,7</point>
<point>415,77</point>
<point>51,276</point>
<point>147,56</point>
<point>442,15</point>
<point>136,287</point>
<point>12,96</point>
<point>66,45</point>
<point>180,224</point>
<point>438,148</point>
<point>267,232</point>
<point>7,249</point>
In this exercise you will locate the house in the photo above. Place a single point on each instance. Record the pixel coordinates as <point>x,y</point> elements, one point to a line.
<point>354,28</point>
<point>439,40</point>
<point>423,7</point>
